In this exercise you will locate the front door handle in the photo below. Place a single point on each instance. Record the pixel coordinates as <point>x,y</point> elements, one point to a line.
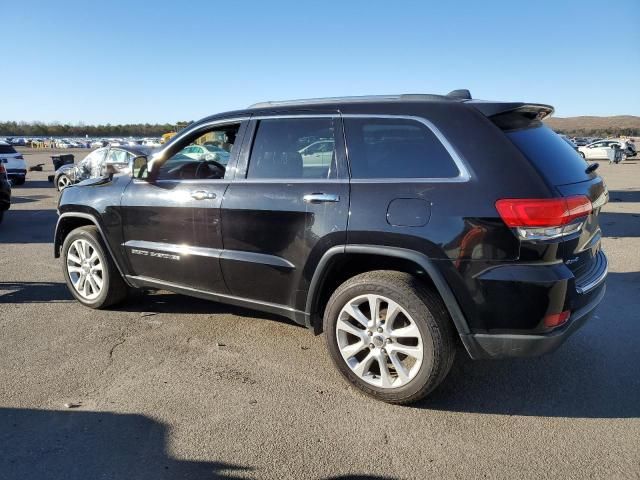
<point>321,197</point>
<point>202,195</point>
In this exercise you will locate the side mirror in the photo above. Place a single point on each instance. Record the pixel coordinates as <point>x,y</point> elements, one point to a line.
<point>140,166</point>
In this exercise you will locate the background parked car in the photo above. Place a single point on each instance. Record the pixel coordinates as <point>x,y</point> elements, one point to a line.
<point>604,149</point>
<point>5,192</point>
<point>95,165</point>
<point>13,162</point>
<point>207,152</point>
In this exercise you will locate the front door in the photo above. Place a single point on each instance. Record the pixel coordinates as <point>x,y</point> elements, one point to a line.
<point>286,206</point>
<point>172,223</point>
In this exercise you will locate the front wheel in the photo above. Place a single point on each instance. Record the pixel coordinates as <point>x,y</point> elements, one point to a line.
<point>389,335</point>
<point>91,275</point>
<point>63,182</point>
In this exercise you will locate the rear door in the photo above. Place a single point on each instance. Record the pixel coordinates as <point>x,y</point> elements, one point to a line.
<point>285,208</point>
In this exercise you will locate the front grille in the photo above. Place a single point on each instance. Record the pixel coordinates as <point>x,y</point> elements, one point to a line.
<point>595,273</point>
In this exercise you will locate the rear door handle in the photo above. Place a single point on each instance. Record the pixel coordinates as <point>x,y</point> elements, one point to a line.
<point>202,195</point>
<point>321,197</point>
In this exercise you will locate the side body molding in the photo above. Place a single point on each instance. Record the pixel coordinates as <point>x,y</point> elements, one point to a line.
<point>422,260</point>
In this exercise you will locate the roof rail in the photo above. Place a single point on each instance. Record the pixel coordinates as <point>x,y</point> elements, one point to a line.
<point>362,98</point>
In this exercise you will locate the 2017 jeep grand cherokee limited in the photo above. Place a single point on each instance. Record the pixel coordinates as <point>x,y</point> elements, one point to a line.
<point>398,225</point>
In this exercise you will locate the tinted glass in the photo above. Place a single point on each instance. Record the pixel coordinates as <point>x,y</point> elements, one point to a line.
<point>396,148</point>
<point>552,156</point>
<point>7,149</point>
<point>284,148</point>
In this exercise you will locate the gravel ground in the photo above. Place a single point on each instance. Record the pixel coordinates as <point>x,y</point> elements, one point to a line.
<point>168,386</point>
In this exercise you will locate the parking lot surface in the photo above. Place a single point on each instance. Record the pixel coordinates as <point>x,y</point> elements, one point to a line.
<point>167,386</point>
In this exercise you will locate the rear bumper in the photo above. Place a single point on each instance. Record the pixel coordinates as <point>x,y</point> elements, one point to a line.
<point>534,299</point>
<point>485,346</point>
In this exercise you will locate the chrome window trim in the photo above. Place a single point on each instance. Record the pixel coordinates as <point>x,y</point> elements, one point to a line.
<point>463,176</point>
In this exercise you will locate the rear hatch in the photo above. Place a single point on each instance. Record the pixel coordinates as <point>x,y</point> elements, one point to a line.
<point>569,174</point>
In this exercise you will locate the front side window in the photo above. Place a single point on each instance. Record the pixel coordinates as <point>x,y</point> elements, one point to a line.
<point>293,148</point>
<point>396,148</point>
<point>197,161</point>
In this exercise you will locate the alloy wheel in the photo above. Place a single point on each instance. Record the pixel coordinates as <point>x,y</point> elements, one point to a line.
<point>379,341</point>
<point>63,182</point>
<point>85,269</point>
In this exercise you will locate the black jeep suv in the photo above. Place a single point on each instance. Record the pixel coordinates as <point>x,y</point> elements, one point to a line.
<point>398,225</point>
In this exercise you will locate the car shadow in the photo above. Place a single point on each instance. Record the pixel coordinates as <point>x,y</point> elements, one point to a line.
<point>624,196</point>
<point>16,198</point>
<point>34,292</point>
<point>174,303</point>
<point>78,445</point>
<point>593,375</point>
<point>617,224</point>
<point>28,226</point>
<point>34,184</point>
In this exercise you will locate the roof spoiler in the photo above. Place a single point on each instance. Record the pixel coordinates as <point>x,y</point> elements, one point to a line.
<point>460,94</point>
<point>513,115</point>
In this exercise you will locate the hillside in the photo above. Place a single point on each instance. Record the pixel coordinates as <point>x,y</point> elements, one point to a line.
<point>596,126</point>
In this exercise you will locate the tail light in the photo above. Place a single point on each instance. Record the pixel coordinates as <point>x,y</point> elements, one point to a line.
<point>546,218</point>
<point>2,169</point>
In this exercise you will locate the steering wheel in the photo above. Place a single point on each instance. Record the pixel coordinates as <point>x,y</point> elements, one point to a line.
<point>208,164</point>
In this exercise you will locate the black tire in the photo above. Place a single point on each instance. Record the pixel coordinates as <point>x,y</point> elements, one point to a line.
<point>427,311</point>
<point>114,289</point>
<point>58,186</point>
<point>19,181</point>
<point>1,215</point>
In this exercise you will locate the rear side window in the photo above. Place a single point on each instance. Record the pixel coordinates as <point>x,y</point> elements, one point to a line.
<point>7,149</point>
<point>396,148</point>
<point>553,157</point>
<point>294,148</point>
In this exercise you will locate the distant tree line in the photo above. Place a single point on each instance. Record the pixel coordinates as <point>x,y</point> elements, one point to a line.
<point>40,129</point>
<point>599,132</point>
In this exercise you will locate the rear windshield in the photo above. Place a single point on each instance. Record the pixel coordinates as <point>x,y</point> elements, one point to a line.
<point>551,155</point>
<point>7,149</point>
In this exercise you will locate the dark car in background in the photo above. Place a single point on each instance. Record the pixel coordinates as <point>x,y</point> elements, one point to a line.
<point>399,225</point>
<point>96,164</point>
<point>5,192</point>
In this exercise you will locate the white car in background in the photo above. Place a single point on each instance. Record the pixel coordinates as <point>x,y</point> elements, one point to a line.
<point>14,163</point>
<point>151,142</point>
<point>207,152</point>
<point>604,150</point>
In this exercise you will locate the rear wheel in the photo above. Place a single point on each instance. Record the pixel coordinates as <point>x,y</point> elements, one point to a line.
<point>89,271</point>
<point>389,335</point>
<point>19,181</point>
<point>63,182</point>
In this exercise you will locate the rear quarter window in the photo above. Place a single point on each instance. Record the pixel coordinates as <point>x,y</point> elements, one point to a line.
<point>551,155</point>
<point>396,148</point>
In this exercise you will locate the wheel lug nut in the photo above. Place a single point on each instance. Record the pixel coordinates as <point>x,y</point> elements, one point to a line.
<point>369,332</point>
<point>379,329</point>
<point>372,346</point>
<point>384,351</point>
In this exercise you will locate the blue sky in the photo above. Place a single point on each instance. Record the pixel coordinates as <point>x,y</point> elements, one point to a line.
<point>143,61</point>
